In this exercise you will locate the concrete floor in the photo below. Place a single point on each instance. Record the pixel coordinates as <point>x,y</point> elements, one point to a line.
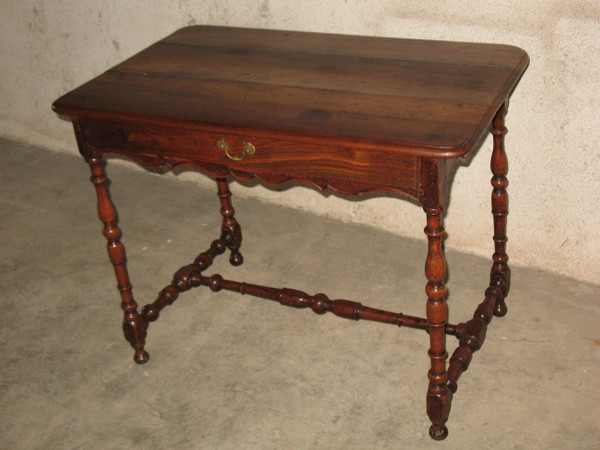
<point>234,372</point>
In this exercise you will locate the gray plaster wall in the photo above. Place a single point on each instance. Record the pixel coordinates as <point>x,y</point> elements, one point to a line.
<point>49,47</point>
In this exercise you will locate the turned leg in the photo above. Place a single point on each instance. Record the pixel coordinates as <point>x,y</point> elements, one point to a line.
<point>438,395</point>
<point>500,273</point>
<point>134,325</point>
<point>231,232</point>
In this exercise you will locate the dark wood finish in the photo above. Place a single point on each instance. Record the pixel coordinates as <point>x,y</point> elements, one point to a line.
<point>134,326</point>
<point>348,113</point>
<point>429,98</point>
<point>500,273</point>
<point>438,394</point>
<point>191,276</point>
<point>231,232</point>
<point>346,169</point>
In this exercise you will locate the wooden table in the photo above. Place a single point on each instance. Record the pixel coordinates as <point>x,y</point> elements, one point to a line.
<point>348,113</point>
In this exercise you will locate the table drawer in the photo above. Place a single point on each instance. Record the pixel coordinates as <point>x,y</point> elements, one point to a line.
<point>272,159</point>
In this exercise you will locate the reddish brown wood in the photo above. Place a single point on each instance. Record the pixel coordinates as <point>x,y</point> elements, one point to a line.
<point>134,325</point>
<point>438,395</point>
<point>191,276</point>
<point>184,279</point>
<point>500,273</point>
<point>471,336</point>
<point>231,232</point>
<point>348,113</point>
<point>319,303</point>
<point>348,170</point>
<point>439,97</point>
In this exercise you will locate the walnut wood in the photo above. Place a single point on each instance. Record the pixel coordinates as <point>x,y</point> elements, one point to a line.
<point>500,273</point>
<point>319,303</point>
<point>345,169</point>
<point>471,336</point>
<point>191,276</point>
<point>184,279</point>
<point>439,97</point>
<point>231,231</point>
<point>348,113</point>
<point>438,395</point>
<point>134,326</point>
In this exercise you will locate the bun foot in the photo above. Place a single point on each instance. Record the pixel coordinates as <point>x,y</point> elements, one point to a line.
<point>141,357</point>
<point>500,309</point>
<point>236,259</point>
<point>438,433</point>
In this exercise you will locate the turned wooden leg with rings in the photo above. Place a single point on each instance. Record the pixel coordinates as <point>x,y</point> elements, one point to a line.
<point>500,273</point>
<point>230,229</point>
<point>471,334</point>
<point>134,325</point>
<point>401,132</point>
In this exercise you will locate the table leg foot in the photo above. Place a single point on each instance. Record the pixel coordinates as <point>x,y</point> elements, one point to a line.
<point>439,433</point>
<point>231,231</point>
<point>500,308</point>
<point>438,410</point>
<point>236,259</point>
<point>135,330</point>
<point>141,357</point>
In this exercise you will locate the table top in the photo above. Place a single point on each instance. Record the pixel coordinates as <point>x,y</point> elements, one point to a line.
<point>419,97</point>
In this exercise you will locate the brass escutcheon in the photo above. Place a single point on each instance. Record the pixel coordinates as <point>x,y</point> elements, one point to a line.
<point>247,149</point>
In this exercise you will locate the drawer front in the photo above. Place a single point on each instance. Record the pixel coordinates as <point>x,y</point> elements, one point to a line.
<point>273,160</point>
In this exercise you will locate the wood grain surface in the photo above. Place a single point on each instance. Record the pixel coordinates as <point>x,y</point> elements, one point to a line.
<point>425,98</point>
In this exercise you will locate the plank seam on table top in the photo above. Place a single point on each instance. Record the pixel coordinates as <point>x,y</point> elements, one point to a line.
<point>450,101</point>
<point>468,143</point>
<point>390,72</point>
<point>170,39</point>
<point>266,50</point>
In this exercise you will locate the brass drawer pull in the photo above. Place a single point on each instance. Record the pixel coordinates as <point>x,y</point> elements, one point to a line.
<point>247,149</point>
